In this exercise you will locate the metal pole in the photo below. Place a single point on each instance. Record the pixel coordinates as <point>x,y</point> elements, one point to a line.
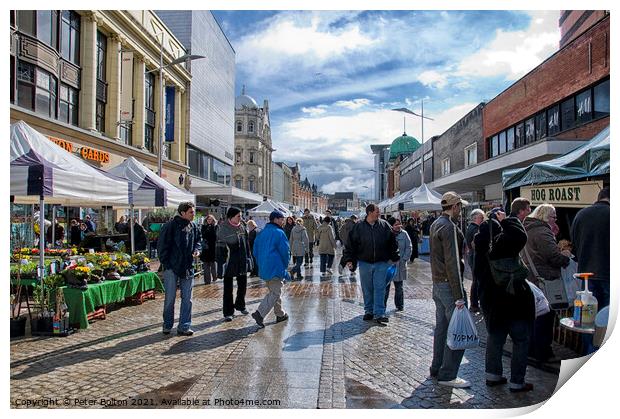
<point>133,246</point>
<point>161,107</point>
<point>32,223</point>
<point>422,120</point>
<point>422,171</point>
<point>41,239</point>
<point>53,225</point>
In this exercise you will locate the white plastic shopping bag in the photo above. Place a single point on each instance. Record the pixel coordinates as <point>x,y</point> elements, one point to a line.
<point>571,284</point>
<point>541,303</point>
<point>462,332</point>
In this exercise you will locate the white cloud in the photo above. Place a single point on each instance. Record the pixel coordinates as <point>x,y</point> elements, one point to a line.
<point>513,54</point>
<point>433,78</point>
<point>352,104</point>
<point>349,184</point>
<point>315,110</point>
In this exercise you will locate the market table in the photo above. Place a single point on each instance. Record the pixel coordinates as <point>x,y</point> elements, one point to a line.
<point>569,323</point>
<point>80,303</point>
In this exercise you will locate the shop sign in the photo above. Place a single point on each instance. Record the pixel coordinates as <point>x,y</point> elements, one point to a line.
<point>95,155</point>
<point>567,195</point>
<point>63,143</point>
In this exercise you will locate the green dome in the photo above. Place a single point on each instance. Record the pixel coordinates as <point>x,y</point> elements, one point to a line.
<point>403,145</point>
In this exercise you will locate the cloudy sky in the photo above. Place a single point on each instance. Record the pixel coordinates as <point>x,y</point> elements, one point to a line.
<point>333,77</point>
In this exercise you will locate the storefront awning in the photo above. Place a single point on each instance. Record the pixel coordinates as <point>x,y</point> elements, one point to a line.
<point>230,194</point>
<point>591,159</point>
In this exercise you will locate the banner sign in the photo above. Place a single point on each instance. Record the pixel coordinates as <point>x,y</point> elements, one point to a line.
<point>566,195</point>
<point>169,112</point>
<point>126,86</point>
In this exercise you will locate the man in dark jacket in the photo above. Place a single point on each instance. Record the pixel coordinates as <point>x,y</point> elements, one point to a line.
<point>591,240</point>
<point>372,245</point>
<point>476,217</point>
<point>178,245</point>
<point>446,242</point>
<point>504,313</point>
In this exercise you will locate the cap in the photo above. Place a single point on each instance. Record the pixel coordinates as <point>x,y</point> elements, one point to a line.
<point>452,198</point>
<point>275,214</point>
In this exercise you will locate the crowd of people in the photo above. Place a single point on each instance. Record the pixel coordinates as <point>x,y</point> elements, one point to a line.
<point>375,246</point>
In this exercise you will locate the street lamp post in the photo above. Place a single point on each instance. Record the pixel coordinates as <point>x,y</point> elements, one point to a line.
<point>422,118</point>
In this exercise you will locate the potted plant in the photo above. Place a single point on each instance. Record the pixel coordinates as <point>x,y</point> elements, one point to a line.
<point>18,322</point>
<point>141,262</point>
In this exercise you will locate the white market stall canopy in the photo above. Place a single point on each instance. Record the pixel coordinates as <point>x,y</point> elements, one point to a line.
<point>267,207</point>
<point>423,199</point>
<point>40,168</point>
<point>150,190</point>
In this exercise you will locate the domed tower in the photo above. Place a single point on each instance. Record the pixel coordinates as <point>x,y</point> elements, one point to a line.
<point>252,169</point>
<point>401,146</point>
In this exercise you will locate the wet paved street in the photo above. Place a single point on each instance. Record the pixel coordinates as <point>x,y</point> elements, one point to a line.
<point>324,356</point>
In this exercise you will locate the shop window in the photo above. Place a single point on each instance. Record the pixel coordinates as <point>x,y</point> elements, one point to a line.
<point>530,131</point>
<point>568,113</point>
<point>25,21</point>
<point>68,105</point>
<point>502,142</point>
<point>541,125</point>
<point>553,120</point>
<point>47,27</point>
<point>70,37</point>
<point>510,139</point>
<point>520,135</point>
<point>601,99</point>
<point>584,107</point>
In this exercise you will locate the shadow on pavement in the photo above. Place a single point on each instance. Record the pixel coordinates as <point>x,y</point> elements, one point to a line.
<point>337,332</point>
<point>209,341</point>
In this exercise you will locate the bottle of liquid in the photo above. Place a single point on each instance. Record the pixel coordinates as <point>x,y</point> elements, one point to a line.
<point>589,309</point>
<point>56,324</point>
<point>578,305</point>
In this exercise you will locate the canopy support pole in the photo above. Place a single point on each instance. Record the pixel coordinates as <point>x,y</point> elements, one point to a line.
<point>131,231</point>
<point>41,240</point>
<point>53,242</point>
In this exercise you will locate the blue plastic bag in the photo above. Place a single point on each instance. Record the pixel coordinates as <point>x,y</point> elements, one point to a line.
<point>390,273</point>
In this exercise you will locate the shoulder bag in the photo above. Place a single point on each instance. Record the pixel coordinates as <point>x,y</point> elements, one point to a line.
<point>554,290</point>
<point>506,272</point>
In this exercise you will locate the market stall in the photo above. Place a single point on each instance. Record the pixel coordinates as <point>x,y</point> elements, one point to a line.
<point>260,214</point>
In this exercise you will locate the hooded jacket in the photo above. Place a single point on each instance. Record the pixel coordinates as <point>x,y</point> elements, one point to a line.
<point>299,241</point>
<point>178,240</point>
<point>327,240</point>
<point>543,250</point>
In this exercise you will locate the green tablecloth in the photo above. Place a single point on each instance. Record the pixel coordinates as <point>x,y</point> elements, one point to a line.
<point>80,303</point>
<point>26,281</point>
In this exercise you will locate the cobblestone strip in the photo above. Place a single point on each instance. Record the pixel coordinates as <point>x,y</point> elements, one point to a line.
<point>332,382</point>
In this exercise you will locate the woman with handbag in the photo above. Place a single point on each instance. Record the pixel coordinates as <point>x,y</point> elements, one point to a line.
<point>505,312</point>
<point>545,262</point>
<point>207,256</point>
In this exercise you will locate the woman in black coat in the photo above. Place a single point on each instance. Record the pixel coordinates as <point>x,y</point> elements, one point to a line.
<point>504,313</point>
<point>209,236</point>
<point>414,233</point>
<point>252,232</point>
<point>288,227</point>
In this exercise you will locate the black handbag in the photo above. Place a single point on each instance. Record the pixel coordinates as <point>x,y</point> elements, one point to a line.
<point>506,272</point>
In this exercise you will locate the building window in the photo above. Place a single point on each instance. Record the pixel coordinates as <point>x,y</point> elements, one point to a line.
<point>471,155</point>
<point>45,103</point>
<point>102,43</point>
<point>26,21</point>
<point>584,107</point>
<point>251,185</point>
<point>445,167</point>
<point>530,131</point>
<point>47,27</point>
<point>149,105</point>
<point>601,99</point>
<point>510,139</point>
<point>553,120</point>
<point>251,127</point>
<point>68,105</point>
<point>520,134</point>
<point>502,142</point>
<point>541,125</point>
<point>220,173</point>
<point>239,126</point>
<point>252,157</point>
<point>25,85</point>
<point>70,37</point>
<point>237,157</point>
<point>239,183</point>
<point>494,146</point>
<point>568,113</point>
<point>126,133</point>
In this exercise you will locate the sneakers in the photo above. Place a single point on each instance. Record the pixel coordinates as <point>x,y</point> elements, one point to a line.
<point>367,317</point>
<point>493,383</point>
<point>299,277</point>
<point>382,320</point>
<point>258,319</point>
<point>244,311</point>
<point>228,318</point>
<point>165,331</point>
<point>399,308</point>
<point>187,332</point>
<point>281,318</point>
<point>525,387</point>
<point>456,383</point>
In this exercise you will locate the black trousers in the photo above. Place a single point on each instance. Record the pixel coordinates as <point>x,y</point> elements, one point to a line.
<point>239,303</point>
<point>541,336</point>
<point>310,253</point>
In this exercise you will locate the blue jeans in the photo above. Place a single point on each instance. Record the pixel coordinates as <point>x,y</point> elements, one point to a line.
<point>399,298</point>
<point>519,331</point>
<point>326,261</point>
<point>446,362</point>
<point>170,285</point>
<point>297,268</point>
<point>372,277</point>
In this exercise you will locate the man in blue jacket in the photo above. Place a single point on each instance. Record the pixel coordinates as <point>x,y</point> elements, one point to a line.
<point>177,246</point>
<point>272,253</point>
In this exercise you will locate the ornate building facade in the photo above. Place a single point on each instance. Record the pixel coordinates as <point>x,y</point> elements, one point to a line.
<point>252,169</point>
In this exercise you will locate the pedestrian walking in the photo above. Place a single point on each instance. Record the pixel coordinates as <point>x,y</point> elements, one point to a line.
<point>505,314</point>
<point>327,246</point>
<point>476,218</point>
<point>345,231</point>
<point>334,224</point>
<point>179,243</point>
<point>446,243</point>
<point>299,244</point>
<point>288,227</point>
<point>272,253</point>
<point>414,234</point>
<point>311,228</point>
<point>372,246</point>
<point>209,238</point>
<point>544,259</point>
<point>233,251</point>
<point>252,232</point>
<point>404,250</point>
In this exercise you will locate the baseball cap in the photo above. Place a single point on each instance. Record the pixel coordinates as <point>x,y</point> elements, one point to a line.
<point>452,198</point>
<point>275,214</point>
